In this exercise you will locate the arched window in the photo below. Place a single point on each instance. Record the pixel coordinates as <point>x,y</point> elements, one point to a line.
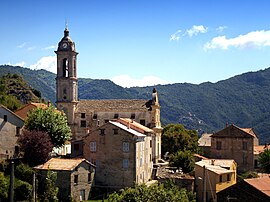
<point>65,67</point>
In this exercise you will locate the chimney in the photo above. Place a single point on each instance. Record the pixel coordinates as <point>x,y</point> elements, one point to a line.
<point>212,162</point>
<point>128,125</point>
<point>49,103</point>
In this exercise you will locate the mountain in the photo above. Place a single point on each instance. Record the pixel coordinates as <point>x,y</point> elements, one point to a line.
<point>243,100</point>
<point>14,92</point>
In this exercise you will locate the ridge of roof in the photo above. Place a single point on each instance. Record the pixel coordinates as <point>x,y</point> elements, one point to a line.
<point>62,164</point>
<point>12,112</point>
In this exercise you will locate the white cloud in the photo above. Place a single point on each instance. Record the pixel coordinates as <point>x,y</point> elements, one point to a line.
<point>48,63</point>
<point>221,28</point>
<point>196,29</point>
<point>249,40</point>
<point>31,48</point>
<point>127,81</point>
<point>21,64</point>
<point>175,36</point>
<point>49,47</point>
<point>21,45</point>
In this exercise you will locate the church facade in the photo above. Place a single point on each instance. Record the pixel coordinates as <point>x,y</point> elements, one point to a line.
<point>85,116</point>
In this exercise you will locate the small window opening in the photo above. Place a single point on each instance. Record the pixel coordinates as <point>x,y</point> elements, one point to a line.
<point>116,116</point>
<point>83,115</point>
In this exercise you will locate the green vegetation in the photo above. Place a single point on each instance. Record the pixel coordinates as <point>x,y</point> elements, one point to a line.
<point>181,145</point>
<point>50,121</point>
<point>154,193</point>
<point>243,100</point>
<point>264,161</point>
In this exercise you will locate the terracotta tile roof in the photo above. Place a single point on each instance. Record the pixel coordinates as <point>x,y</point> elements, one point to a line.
<point>262,184</point>
<point>235,131</point>
<point>260,148</point>
<point>61,164</point>
<point>112,105</point>
<point>200,156</point>
<point>134,125</point>
<point>129,130</point>
<point>24,110</point>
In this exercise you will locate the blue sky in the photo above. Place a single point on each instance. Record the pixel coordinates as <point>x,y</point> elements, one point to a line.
<point>140,42</point>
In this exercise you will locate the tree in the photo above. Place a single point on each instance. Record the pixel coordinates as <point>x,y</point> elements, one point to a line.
<point>155,193</point>
<point>264,160</point>
<point>184,160</point>
<point>51,121</point>
<point>175,137</point>
<point>35,146</point>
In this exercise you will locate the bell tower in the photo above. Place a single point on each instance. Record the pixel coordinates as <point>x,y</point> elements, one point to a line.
<point>66,79</point>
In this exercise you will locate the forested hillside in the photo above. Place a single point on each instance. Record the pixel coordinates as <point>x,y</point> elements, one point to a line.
<point>243,100</point>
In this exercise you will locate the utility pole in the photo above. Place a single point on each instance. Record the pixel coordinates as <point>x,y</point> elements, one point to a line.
<point>11,184</point>
<point>34,187</point>
<point>204,184</point>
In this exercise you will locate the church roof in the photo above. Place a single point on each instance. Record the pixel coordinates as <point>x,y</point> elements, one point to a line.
<point>120,105</point>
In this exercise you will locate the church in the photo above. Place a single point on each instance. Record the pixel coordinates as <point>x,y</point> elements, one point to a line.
<point>138,119</point>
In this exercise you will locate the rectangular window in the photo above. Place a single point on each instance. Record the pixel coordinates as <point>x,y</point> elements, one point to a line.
<point>83,115</point>
<point>115,131</point>
<point>228,177</point>
<point>18,130</point>
<point>150,158</point>
<point>5,117</point>
<point>245,147</point>
<point>83,123</point>
<point>102,131</point>
<point>95,116</point>
<point>125,146</point>
<point>218,145</point>
<point>76,179</point>
<point>116,116</point>
<point>82,195</point>
<point>76,147</point>
<point>125,163</point>
<point>142,122</point>
<point>106,120</point>
<point>150,143</point>
<point>141,162</point>
<point>132,116</point>
<point>93,146</point>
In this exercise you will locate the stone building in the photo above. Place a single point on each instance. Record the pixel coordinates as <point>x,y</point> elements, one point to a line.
<point>235,143</point>
<point>213,176</point>
<point>85,116</point>
<point>122,152</point>
<point>74,177</point>
<point>10,129</point>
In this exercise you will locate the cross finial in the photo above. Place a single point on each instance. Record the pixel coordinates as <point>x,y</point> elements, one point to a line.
<point>66,22</point>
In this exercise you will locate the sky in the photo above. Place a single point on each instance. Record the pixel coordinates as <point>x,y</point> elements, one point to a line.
<point>140,42</point>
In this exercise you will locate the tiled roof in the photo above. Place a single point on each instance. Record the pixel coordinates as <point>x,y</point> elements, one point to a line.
<point>205,140</point>
<point>262,184</point>
<point>24,110</point>
<point>260,148</point>
<point>131,126</point>
<point>134,125</point>
<point>112,105</point>
<point>217,165</point>
<point>61,164</point>
<point>235,131</point>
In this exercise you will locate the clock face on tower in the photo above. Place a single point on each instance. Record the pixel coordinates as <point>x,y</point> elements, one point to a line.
<point>64,45</point>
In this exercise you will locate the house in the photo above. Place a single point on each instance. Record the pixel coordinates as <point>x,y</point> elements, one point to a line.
<point>122,152</point>
<point>213,176</point>
<point>85,116</point>
<point>248,190</point>
<point>10,129</point>
<point>258,149</point>
<point>22,112</point>
<point>74,177</point>
<point>204,143</point>
<point>236,143</point>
